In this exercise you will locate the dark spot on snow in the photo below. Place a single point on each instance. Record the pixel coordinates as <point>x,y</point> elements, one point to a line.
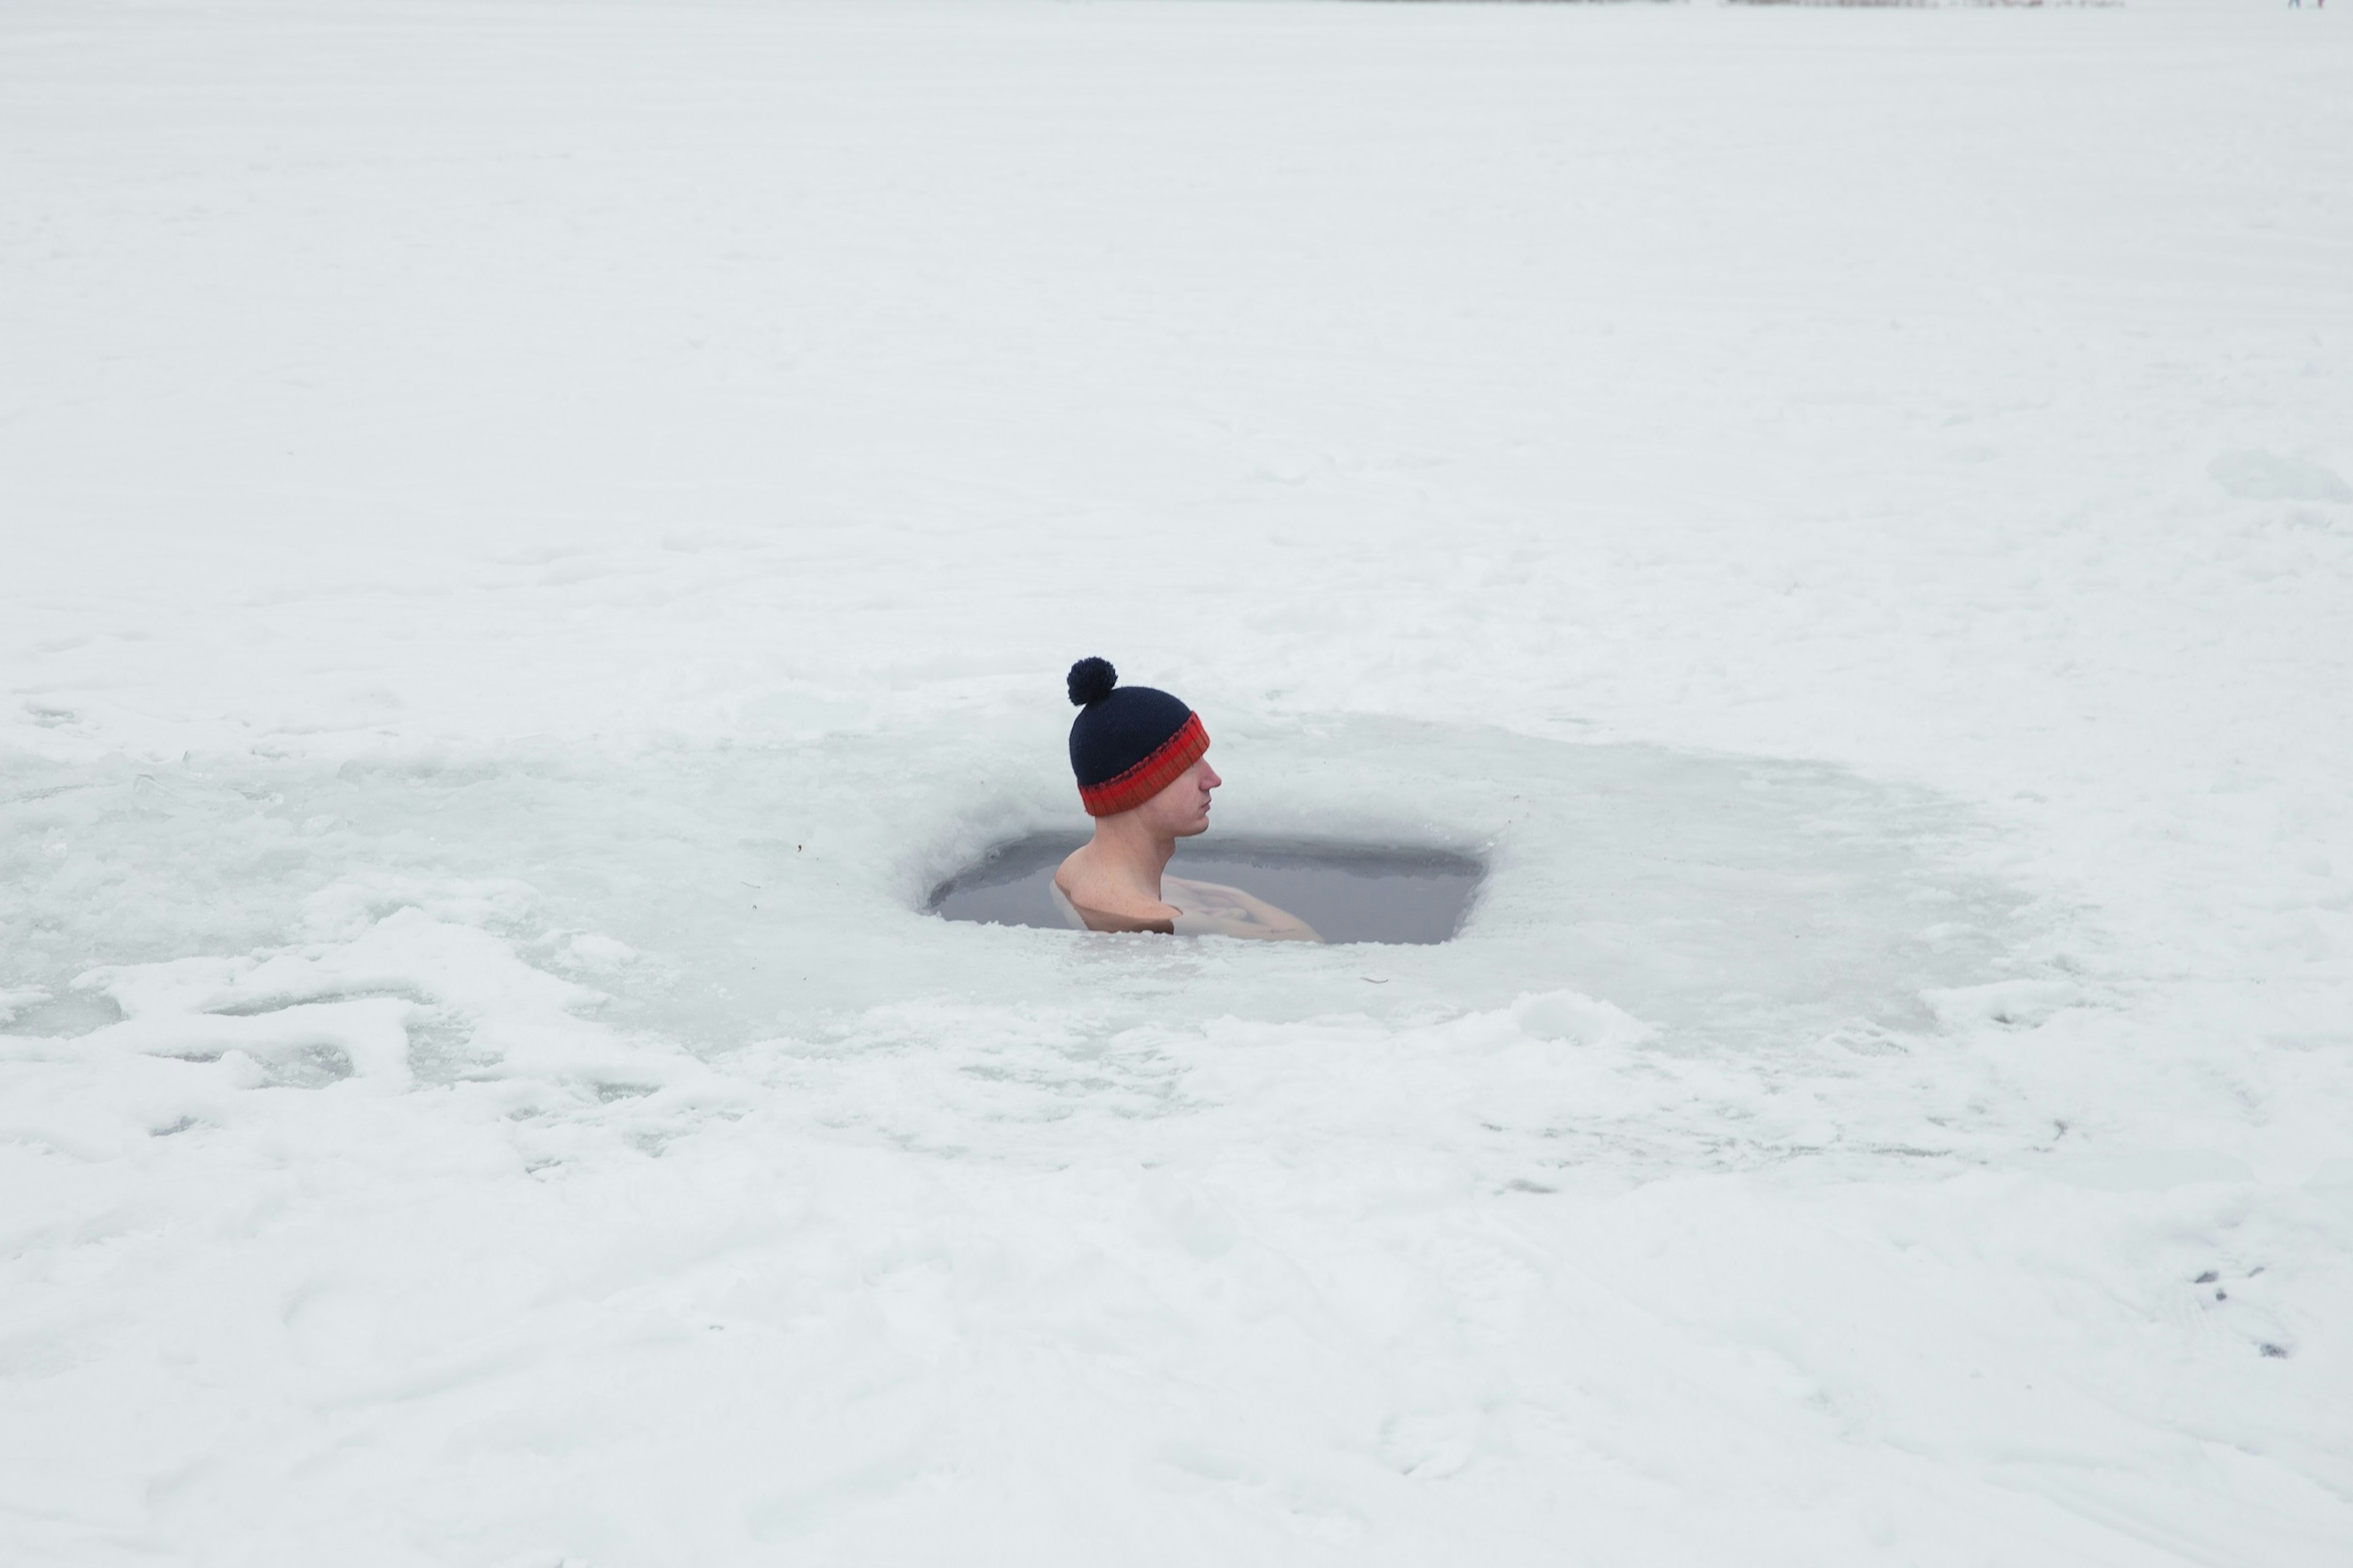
<point>441,1046</point>
<point>609,1093</point>
<point>310,1066</point>
<point>2221,1294</point>
<point>1521,1184</point>
<point>2205,1279</point>
<point>75,1013</point>
<point>255,1007</point>
<point>182,1125</point>
<point>2276,1352</point>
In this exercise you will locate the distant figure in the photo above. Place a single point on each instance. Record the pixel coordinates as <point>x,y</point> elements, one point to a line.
<point>1142,761</point>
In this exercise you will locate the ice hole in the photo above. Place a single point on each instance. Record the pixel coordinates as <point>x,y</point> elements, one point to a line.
<point>726,896</point>
<point>1348,892</point>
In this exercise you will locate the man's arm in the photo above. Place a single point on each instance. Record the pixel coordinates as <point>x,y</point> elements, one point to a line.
<point>1247,909</point>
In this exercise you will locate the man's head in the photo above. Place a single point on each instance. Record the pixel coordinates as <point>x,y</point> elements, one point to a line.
<point>1133,747</point>
<point>1182,809</point>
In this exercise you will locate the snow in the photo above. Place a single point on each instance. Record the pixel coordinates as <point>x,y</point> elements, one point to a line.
<point>535,533</point>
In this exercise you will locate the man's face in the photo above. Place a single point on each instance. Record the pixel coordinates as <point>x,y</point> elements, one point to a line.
<point>1182,809</point>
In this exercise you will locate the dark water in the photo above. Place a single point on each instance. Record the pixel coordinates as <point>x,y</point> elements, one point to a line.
<point>1348,892</point>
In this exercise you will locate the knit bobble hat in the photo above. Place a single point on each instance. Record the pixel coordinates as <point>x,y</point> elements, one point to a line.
<point>1128,742</point>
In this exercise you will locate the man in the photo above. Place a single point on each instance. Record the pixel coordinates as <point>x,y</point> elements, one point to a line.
<point>1142,762</point>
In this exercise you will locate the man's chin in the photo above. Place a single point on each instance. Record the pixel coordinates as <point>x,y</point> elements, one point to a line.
<point>1196,830</point>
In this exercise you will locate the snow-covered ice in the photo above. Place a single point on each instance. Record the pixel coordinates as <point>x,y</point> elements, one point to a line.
<point>534,534</point>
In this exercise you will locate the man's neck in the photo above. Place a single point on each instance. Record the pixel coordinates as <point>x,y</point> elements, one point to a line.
<point>1132,852</point>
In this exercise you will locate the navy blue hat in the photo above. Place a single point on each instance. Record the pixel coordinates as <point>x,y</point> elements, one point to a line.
<point>1128,742</point>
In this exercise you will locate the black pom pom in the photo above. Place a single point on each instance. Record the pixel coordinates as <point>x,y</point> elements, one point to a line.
<point>1091,680</point>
